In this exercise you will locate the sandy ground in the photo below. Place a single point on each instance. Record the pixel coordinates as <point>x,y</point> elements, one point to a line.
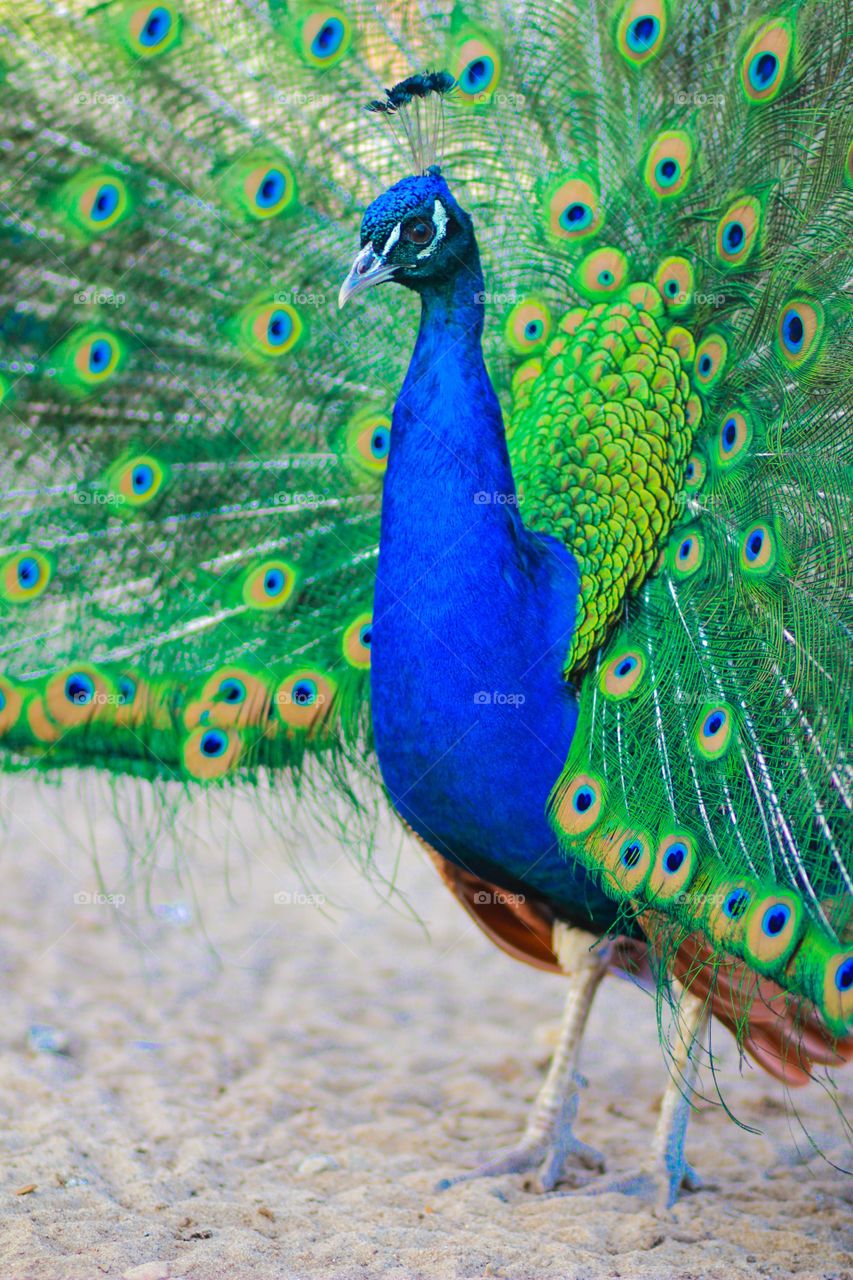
<point>276,1095</point>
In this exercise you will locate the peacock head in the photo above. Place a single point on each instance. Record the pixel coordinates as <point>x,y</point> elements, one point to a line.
<point>415,233</point>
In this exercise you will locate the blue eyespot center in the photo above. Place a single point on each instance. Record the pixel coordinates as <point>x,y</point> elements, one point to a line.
<point>671,288</point>
<point>674,858</point>
<point>105,202</point>
<point>29,572</point>
<point>477,75</point>
<point>793,330</point>
<point>126,690</point>
<point>714,723</point>
<point>80,688</point>
<point>271,189</point>
<point>642,33</point>
<point>729,434</point>
<point>626,666</point>
<point>142,478</point>
<point>685,548</point>
<point>763,69</point>
<point>690,470</point>
<point>328,39</point>
<point>365,635</point>
<point>156,28</point>
<point>754,543</point>
<point>733,236</point>
<point>232,690</point>
<point>631,854</point>
<point>583,799</point>
<point>533,329</point>
<point>705,364</point>
<point>576,216</point>
<point>380,442</point>
<point>213,743</point>
<point>274,582</point>
<point>99,355</point>
<point>736,903</point>
<point>775,918</point>
<point>305,693</point>
<point>605,277</point>
<point>279,328</point>
<point>844,975</point>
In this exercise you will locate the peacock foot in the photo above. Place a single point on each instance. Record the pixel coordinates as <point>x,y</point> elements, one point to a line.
<point>655,1187</point>
<point>544,1150</point>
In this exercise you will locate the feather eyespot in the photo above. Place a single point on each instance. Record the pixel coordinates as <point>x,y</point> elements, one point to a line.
<point>527,326</point>
<point>210,753</point>
<point>357,641</point>
<point>269,330</point>
<point>711,357</point>
<point>733,439</point>
<point>476,64</point>
<point>626,859</point>
<point>95,200</point>
<point>325,37</point>
<point>602,272</point>
<point>799,331</point>
<point>772,928</point>
<point>138,480</point>
<point>766,60</point>
<point>673,866</point>
<point>686,553</point>
<point>151,29</point>
<point>580,807</point>
<point>268,190</point>
<point>78,695</point>
<point>11,702</point>
<point>621,676</point>
<point>674,281</point>
<point>668,164</point>
<point>695,473</point>
<point>269,585</point>
<point>89,357</point>
<point>24,577</point>
<point>737,231</point>
<point>714,731</point>
<point>368,441</point>
<point>641,29</point>
<point>304,699</point>
<point>573,212</point>
<point>758,549</point>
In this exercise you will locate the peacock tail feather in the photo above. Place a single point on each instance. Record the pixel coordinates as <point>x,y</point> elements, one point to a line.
<point>195,440</point>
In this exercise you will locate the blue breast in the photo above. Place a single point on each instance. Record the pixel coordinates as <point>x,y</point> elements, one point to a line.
<point>473,620</point>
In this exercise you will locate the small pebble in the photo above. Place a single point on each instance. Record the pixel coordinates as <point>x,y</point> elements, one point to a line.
<point>25,1191</point>
<point>42,1039</point>
<point>317,1164</point>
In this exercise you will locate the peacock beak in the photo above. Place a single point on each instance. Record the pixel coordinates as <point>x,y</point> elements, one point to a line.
<point>368,269</point>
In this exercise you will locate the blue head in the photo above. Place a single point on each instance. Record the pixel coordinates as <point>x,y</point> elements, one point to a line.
<point>416,234</point>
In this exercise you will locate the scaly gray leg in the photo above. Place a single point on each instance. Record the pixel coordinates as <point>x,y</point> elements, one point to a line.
<point>666,1170</point>
<point>548,1140</point>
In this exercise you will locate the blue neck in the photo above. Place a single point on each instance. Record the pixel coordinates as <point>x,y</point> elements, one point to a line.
<point>472,623</point>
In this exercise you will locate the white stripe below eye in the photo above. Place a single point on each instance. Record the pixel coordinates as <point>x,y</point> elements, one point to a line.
<point>439,221</point>
<point>391,241</point>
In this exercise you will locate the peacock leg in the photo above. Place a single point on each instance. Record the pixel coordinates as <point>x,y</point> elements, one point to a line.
<point>666,1170</point>
<point>548,1140</point>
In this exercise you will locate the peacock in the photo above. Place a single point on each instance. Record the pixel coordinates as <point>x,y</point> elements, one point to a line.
<point>566,577</point>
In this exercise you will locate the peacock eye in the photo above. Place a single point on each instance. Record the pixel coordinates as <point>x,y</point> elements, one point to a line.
<point>418,231</point>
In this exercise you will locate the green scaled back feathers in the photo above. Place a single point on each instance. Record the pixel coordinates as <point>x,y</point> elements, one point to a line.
<point>194,439</point>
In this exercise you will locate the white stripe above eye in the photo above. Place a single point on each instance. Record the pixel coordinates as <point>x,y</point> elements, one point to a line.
<point>439,221</point>
<point>391,241</point>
